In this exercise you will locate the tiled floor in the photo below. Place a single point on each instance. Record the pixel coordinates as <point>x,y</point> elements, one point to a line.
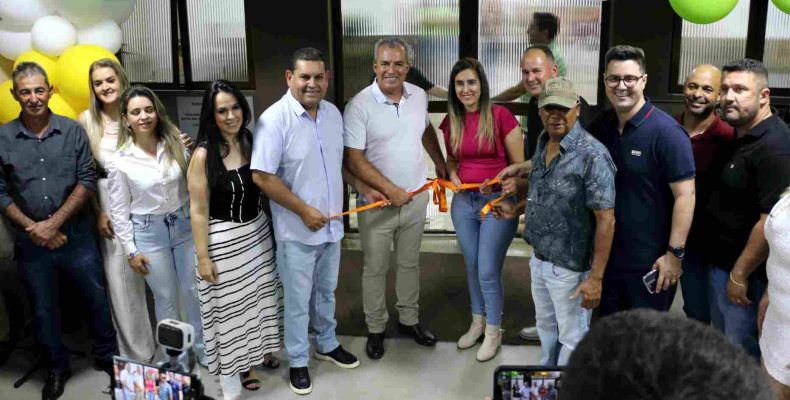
<point>407,371</point>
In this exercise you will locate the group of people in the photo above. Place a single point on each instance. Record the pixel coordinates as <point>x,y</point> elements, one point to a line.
<point>136,382</point>
<point>606,200</point>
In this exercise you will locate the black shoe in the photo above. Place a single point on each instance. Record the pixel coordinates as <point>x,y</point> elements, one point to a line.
<point>422,336</point>
<point>375,345</point>
<point>300,381</point>
<point>56,383</point>
<point>104,365</point>
<point>340,357</point>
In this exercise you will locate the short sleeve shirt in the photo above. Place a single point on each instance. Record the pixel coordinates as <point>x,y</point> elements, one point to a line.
<point>712,149</point>
<point>750,184</point>
<point>477,162</point>
<point>560,224</point>
<point>653,151</point>
<point>307,155</point>
<point>390,133</point>
<point>39,174</point>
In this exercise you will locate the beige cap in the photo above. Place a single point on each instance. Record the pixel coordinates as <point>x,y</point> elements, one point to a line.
<point>558,91</point>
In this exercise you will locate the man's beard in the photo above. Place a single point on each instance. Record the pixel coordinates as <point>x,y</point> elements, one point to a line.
<point>709,108</point>
<point>742,119</point>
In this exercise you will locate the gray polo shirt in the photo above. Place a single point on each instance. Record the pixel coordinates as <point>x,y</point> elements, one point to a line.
<point>38,175</point>
<point>560,224</point>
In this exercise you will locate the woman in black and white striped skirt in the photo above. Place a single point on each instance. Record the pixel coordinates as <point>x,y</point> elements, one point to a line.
<point>240,292</point>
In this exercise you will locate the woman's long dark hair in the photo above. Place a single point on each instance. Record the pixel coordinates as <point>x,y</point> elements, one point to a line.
<point>209,136</point>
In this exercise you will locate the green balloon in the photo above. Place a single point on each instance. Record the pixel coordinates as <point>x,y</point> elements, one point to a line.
<point>783,5</point>
<point>704,11</point>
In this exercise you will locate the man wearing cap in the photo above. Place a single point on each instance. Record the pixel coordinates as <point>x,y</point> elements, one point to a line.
<point>570,221</point>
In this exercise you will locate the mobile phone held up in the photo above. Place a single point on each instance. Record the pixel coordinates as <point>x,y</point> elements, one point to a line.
<point>513,382</point>
<point>650,280</point>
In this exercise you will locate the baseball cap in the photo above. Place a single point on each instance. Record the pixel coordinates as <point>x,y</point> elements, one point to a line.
<point>558,91</point>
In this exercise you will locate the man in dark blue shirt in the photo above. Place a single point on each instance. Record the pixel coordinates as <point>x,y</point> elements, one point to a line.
<point>655,188</point>
<point>46,177</point>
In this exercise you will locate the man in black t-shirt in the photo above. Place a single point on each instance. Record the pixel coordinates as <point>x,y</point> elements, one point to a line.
<point>757,172</point>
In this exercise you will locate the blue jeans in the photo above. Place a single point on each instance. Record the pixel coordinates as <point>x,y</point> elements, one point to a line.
<point>309,277</point>
<point>80,259</point>
<point>561,322</point>
<point>484,244</point>
<point>739,323</point>
<point>697,301</point>
<point>166,240</point>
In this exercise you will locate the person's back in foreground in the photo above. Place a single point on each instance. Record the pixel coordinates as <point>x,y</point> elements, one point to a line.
<point>645,354</point>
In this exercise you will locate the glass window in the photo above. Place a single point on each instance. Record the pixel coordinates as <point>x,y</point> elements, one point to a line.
<point>430,27</point>
<point>777,47</point>
<point>217,40</point>
<point>147,50</point>
<point>716,43</point>
<point>503,38</point>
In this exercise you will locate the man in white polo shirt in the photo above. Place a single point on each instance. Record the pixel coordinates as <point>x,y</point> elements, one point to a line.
<point>385,131</point>
<point>297,159</point>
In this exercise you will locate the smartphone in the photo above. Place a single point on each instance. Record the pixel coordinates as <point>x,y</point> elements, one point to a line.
<point>130,373</point>
<point>650,280</point>
<point>512,382</point>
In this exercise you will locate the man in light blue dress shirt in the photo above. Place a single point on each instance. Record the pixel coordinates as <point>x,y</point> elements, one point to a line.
<point>297,160</point>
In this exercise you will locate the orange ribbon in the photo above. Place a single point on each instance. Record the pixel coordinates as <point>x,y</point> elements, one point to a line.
<point>439,196</point>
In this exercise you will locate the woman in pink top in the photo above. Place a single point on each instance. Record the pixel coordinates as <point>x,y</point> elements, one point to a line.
<point>481,139</point>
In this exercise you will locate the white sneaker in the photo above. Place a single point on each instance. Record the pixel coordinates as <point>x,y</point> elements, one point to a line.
<point>529,333</point>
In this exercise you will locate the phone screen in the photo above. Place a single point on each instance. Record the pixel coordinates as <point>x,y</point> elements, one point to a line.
<point>527,383</point>
<point>132,377</point>
<point>650,280</point>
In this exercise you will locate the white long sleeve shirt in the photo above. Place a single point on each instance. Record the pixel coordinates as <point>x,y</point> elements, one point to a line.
<point>141,184</point>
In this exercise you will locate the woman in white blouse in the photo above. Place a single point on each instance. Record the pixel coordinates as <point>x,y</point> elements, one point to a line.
<point>126,288</point>
<point>149,206</point>
<point>774,311</point>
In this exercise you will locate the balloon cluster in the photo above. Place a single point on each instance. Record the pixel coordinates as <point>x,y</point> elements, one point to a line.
<point>64,37</point>
<point>709,11</point>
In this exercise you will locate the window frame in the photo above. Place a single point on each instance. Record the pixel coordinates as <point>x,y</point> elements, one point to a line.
<point>179,44</point>
<point>755,48</point>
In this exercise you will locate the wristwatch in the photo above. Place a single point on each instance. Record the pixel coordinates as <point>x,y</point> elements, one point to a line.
<point>134,254</point>
<point>678,252</point>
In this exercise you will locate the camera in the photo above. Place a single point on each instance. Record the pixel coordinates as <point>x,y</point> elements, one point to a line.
<point>175,335</point>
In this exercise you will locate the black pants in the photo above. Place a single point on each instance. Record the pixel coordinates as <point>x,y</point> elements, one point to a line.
<point>624,290</point>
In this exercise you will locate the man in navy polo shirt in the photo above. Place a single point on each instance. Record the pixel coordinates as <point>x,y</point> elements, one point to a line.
<point>654,203</point>
<point>751,182</point>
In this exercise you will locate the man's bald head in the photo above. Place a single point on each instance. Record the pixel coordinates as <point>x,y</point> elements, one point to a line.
<point>706,70</point>
<point>701,90</point>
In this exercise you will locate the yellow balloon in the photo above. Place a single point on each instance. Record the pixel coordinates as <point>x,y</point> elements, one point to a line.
<point>9,107</point>
<point>72,72</point>
<point>45,61</point>
<point>58,105</point>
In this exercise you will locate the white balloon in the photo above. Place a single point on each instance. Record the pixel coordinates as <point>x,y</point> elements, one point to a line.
<point>13,44</point>
<point>20,15</point>
<point>53,34</point>
<point>86,13</point>
<point>106,34</point>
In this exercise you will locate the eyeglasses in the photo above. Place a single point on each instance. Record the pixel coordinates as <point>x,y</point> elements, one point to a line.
<point>629,80</point>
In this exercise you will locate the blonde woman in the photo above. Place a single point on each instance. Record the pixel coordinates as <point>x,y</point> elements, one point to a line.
<point>149,206</point>
<point>126,289</point>
<point>481,139</point>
